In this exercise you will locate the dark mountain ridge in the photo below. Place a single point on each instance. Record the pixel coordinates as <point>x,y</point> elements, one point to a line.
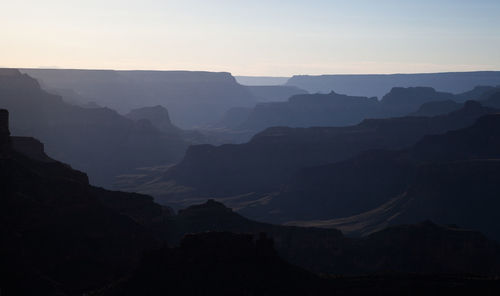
<point>327,250</point>
<point>59,234</point>
<point>273,156</point>
<point>221,263</point>
<point>449,178</point>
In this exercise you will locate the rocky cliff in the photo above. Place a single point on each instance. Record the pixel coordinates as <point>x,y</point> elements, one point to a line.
<point>97,140</point>
<point>266,163</point>
<point>4,129</point>
<point>194,98</point>
<point>59,234</point>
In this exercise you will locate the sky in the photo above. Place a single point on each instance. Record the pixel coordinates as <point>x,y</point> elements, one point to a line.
<point>257,38</point>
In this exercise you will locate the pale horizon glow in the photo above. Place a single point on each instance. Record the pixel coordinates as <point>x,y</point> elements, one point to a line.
<point>253,38</point>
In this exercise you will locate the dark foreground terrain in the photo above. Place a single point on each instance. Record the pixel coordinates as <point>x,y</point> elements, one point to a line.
<point>62,236</point>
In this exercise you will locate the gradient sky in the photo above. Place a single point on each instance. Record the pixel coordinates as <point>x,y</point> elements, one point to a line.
<point>273,38</point>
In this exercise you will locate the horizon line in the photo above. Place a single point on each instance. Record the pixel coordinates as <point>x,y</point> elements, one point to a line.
<point>243,75</point>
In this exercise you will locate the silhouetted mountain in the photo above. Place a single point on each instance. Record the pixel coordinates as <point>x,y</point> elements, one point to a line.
<point>219,263</point>
<point>266,163</point>
<point>416,248</point>
<point>458,181</point>
<point>379,84</point>
<point>341,110</point>
<point>62,236</point>
<point>493,99</point>
<point>338,190</point>
<point>98,140</point>
<point>423,247</point>
<point>157,115</point>
<point>437,108</point>
<point>193,98</point>
<point>292,243</point>
<point>298,111</point>
<point>274,93</point>
<point>311,110</point>
<point>72,97</point>
<point>449,178</point>
<point>59,234</point>
<point>353,186</point>
<point>402,101</point>
<point>480,93</point>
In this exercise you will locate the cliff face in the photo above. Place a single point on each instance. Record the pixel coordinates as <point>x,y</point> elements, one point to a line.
<point>402,101</point>
<point>157,115</point>
<point>97,140</point>
<point>4,130</point>
<point>30,147</point>
<point>450,178</point>
<point>193,98</point>
<point>311,110</point>
<point>11,80</point>
<point>59,234</point>
<point>273,156</point>
<point>458,180</point>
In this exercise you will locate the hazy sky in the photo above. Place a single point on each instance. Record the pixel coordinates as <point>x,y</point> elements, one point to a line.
<point>253,37</point>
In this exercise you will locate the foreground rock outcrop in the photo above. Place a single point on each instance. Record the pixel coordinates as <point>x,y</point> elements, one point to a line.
<point>59,234</point>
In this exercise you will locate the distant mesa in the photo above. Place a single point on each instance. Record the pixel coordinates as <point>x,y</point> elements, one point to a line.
<point>274,93</point>
<point>261,80</point>
<point>333,109</point>
<point>193,98</point>
<point>157,115</point>
<point>380,84</point>
<point>311,110</point>
<point>401,101</point>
